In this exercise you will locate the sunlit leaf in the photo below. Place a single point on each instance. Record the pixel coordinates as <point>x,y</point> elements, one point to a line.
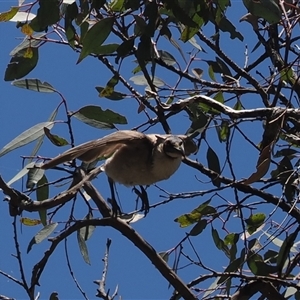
<point>8,15</point>
<point>26,137</point>
<point>113,96</point>
<point>34,85</point>
<point>30,222</point>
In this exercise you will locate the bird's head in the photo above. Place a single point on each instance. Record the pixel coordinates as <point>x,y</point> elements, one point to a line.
<point>173,147</point>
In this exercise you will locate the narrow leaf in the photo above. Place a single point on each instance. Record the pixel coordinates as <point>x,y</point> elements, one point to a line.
<point>26,137</point>
<point>83,248</point>
<point>34,85</point>
<point>41,235</point>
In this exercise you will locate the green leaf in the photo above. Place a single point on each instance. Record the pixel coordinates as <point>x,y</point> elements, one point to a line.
<point>41,235</point>
<point>6,16</point>
<point>87,231</point>
<point>26,137</point>
<point>106,49</point>
<point>232,267</point>
<point>266,9</point>
<point>214,164</point>
<point>285,249</point>
<point>21,64</point>
<point>190,31</point>
<point>231,239</point>
<point>117,5</point>
<point>141,80</point>
<point>47,14</point>
<point>124,49</point>
<point>34,85</point>
<point>21,174</point>
<point>224,131</point>
<point>109,89</point>
<point>199,227</point>
<point>42,193</point>
<point>220,243</point>
<point>83,248</point>
<point>32,42</point>
<point>226,26</point>
<point>95,37</point>
<point>254,222</point>
<point>113,96</point>
<point>188,219</point>
<point>167,58</point>
<point>96,117</point>
<point>34,175</point>
<point>55,139</point>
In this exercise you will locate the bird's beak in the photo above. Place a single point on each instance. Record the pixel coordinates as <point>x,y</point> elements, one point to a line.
<point>180,148</point>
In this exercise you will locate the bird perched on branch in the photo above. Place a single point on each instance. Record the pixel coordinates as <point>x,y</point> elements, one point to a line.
<point>133,158</point>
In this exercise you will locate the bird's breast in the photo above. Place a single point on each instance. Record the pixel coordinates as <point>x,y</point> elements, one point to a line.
<point>140,167</point>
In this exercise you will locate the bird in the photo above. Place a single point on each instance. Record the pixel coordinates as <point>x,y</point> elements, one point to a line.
<point>132,158</point>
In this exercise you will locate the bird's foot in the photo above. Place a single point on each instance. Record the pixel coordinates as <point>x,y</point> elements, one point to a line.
<point>116,210</point>
<point>142,194</point>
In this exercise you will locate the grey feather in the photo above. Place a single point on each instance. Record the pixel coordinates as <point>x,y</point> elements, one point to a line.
<point>134,158</point>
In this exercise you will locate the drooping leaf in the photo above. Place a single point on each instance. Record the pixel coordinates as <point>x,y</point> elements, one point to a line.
<point>199,227</point>
<point>83,248</point>
<point>95,37</point>
<point>96,117</point>
<point>124,49</point>
<point>21,64</point>
<point>35,174</point>
<point>42,193</point>
<point>86,232</point>
<point>34,85</point>
<point>214,164</point>
<point>41,235</point>
<point>47,14</point>
<point>26,137</point>
<point>262,165</point>
<point>219,242</point>
<point>55,139</point>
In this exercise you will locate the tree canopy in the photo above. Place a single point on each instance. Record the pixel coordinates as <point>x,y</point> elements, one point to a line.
<point>225,74</point>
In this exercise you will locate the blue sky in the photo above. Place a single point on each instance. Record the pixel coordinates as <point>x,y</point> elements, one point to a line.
<point>128,268</point>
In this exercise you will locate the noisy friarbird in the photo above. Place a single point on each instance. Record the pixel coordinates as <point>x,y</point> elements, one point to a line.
<point>133,158</point>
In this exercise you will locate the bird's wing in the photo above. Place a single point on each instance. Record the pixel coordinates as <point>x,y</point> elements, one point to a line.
<point>103,147</point>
